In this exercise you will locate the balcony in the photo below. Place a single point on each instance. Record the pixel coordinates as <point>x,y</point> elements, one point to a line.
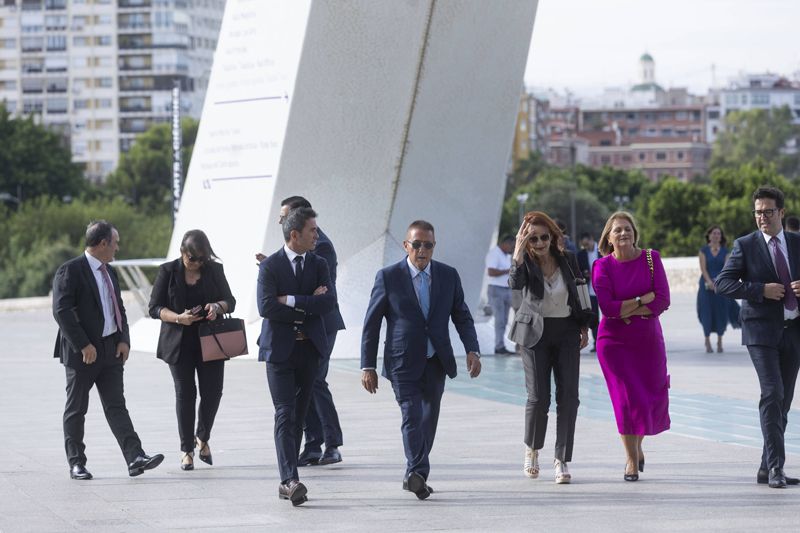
<point>134,3</point>
<point>55,4</point>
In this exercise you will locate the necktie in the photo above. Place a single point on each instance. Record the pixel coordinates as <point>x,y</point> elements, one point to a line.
<point>425,304</point>
<point>110,288</point>
<point>298,267</point>
<point>789,299</point>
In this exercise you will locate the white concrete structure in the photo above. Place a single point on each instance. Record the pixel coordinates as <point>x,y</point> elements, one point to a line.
<point>760,91</point>
<point>379,113</point>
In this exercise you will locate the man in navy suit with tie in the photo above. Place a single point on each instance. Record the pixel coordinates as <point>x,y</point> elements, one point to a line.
<point>761,271</point>
<point>293,294</point>
<point>418,298</point>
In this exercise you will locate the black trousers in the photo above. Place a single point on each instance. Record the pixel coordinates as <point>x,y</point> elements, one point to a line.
<point>556,353</point>
<point>322,421</point>
<point>210,377</point>
<point>290,383</point>
<point>107,374</point>
<point>777,375</point>
<point>420,402</point>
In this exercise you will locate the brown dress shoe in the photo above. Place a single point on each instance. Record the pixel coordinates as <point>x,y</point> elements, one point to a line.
<point>293,491</point>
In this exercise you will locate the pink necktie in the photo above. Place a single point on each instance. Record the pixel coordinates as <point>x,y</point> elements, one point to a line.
<point>789,299</point>
<point>110,287</point>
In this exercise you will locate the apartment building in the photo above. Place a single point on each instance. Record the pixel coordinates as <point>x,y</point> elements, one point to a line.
<point>101,72</point>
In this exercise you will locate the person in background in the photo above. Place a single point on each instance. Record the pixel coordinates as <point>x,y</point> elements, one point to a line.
<point>712,308</point>
<point>568,244</point>
<point>498,264</point>
<point>586,256</point>
<point>632,292</point>
<point>194,281</point>
<point>793,224</point>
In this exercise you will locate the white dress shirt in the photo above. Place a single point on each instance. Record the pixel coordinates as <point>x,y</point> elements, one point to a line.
<point>109,319</point>
<point>499,260</point>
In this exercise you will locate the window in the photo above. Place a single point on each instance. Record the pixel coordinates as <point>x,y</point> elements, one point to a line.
<point>680,155</point>
<point>760,99</point>
<point>661,156</point>
<point>56,42</point>
<point>681,115</point>
<point>796,98</point>
<point>666,132</point>
<point>714,115</point>
<point>642,156</point>
<point>32,44</point>
<point>57,105</point>
<point>744,99</point>
<point>626,158</point>
<point>605,160</point>
<point>81,41</point>
<point>731,99</point>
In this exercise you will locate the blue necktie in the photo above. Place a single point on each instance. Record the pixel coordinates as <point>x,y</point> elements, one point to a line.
<point>425,304</point>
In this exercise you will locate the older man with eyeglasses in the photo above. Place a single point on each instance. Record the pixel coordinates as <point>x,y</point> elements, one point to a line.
<point>418,297</point>
<point>762,271</point>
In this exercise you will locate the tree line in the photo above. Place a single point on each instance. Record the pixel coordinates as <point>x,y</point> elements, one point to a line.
<point>46,202</point>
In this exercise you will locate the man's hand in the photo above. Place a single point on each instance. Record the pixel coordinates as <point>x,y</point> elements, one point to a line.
<point>369,379</point>
<point>122,351</point>
<point>473,364</point>
<point>89,354</point>
<point>796,288</point>
<point>584,338</point>
<point>322,289</point>
<point>774,291</point>
<point>260,257</point>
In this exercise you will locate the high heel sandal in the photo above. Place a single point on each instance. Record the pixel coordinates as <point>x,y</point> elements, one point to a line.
<point>205,457</point>
<point>187,461</point>
<point>641,464</point>
<point>719,346</point>
<point>708,346</point>
<point>531,464</point>
<point>630,477</point>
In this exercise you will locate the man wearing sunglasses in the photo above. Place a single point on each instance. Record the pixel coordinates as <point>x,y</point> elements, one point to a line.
<point>762,271</point>
<point>418,297</point>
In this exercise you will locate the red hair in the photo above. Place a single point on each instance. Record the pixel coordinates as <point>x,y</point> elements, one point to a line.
<point>538,218</point>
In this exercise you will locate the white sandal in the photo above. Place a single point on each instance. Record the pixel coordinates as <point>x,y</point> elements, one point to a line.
<point>562,473</point>
<point>531,464</point>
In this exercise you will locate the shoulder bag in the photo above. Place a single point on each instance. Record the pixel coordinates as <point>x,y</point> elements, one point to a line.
<point>222,338</point>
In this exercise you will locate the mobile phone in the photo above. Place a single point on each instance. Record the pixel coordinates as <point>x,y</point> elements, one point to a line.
<point>197,310</point>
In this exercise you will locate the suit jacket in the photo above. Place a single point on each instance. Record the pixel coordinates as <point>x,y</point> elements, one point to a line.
<point>407,329</point>
<point>169,290</point>
<point>325,249</point>
<point>79,312</point>
<point>748,268</point>
<point>282,323</point>
<point>528,324</point>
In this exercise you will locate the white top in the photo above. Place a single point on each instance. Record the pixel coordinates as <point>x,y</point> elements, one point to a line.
<point>592,256</point>
<point>109,320</point>
<point>554,301</point>
<point>498,259</point>
<point>794,313</point>
<point>291,254</point>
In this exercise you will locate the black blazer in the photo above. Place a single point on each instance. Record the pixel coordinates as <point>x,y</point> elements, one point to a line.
<point>282,323</point>
<point>531,275</point>
<point>325,249</point>
<point>78,311</point>
<point>747,270</point>
<point>169,290</point>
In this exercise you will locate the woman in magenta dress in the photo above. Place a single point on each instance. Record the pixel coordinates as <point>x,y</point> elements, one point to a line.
<point>632,291</point>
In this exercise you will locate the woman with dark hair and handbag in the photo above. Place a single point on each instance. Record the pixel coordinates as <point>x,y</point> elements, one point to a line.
<point>551,326</point>
<point>188,290</point>
<point>632,292</point>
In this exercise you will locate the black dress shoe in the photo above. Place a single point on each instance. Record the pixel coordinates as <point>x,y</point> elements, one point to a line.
<point>762,478</point>
<point>144,462</point>
<point>79,472</point>
<point>205,457</point>
<point>777,479</point>
<point>405,486</point>
<point>331,456</point>
<point>308,458</point>
<point>293,491</point>
<point>417,485</point>
<point>502,351</point>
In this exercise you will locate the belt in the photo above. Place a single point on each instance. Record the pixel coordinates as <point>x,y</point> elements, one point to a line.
<point>300,336</point>
<point>787,323</point>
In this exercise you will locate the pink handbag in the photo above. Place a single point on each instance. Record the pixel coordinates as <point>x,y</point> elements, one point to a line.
<point>222,339</point>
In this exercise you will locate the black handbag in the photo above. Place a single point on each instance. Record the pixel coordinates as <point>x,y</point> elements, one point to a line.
<point>222,338</point>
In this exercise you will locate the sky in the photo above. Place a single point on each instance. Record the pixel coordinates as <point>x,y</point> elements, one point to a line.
<point>585,45</point>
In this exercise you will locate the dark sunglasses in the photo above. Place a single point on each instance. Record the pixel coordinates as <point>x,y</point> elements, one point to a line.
<point>544,238</point>
<point>197,259</point>
<point>419,244</point>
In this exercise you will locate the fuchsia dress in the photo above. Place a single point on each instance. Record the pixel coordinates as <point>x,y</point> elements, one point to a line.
<point>632,356</point>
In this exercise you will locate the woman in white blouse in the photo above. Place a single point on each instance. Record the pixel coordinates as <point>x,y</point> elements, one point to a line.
<point>551,329</point>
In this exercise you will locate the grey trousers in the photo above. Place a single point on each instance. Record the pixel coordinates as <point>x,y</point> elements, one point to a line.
<point>557,352</point>
<point>500,300</point>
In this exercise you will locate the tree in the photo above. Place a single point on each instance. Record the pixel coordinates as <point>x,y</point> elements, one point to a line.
<point>758,134</point>
<point>144,174</point>
<point>35,161</point>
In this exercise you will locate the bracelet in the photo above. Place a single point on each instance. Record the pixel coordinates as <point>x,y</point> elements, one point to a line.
<point>177,319</point>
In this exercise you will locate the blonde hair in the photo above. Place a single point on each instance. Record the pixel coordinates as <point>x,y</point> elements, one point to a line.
<point>604,246</point>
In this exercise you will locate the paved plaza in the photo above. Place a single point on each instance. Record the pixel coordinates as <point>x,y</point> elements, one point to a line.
<point>700,475</point>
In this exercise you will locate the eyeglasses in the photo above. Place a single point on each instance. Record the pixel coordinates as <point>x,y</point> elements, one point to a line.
<point>764,212</point>
<point>544,238</point>
<point>197,259</point>
<point>419,244</point>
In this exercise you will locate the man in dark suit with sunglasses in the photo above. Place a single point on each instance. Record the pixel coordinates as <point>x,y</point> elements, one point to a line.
<point>418,297</point>
<point>761,271</point>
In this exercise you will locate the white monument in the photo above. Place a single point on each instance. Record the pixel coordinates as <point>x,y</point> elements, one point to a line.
<point>379,113</point>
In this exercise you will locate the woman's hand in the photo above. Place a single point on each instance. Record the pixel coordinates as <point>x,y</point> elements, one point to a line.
<point>523,235</point>
<point>584,338</point>
<point>187,318</point>
<point>212,310</point>
<point>648,297</point>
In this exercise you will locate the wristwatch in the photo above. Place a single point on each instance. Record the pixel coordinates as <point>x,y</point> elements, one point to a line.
<point>638,300</point>
<point>478,354</point>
